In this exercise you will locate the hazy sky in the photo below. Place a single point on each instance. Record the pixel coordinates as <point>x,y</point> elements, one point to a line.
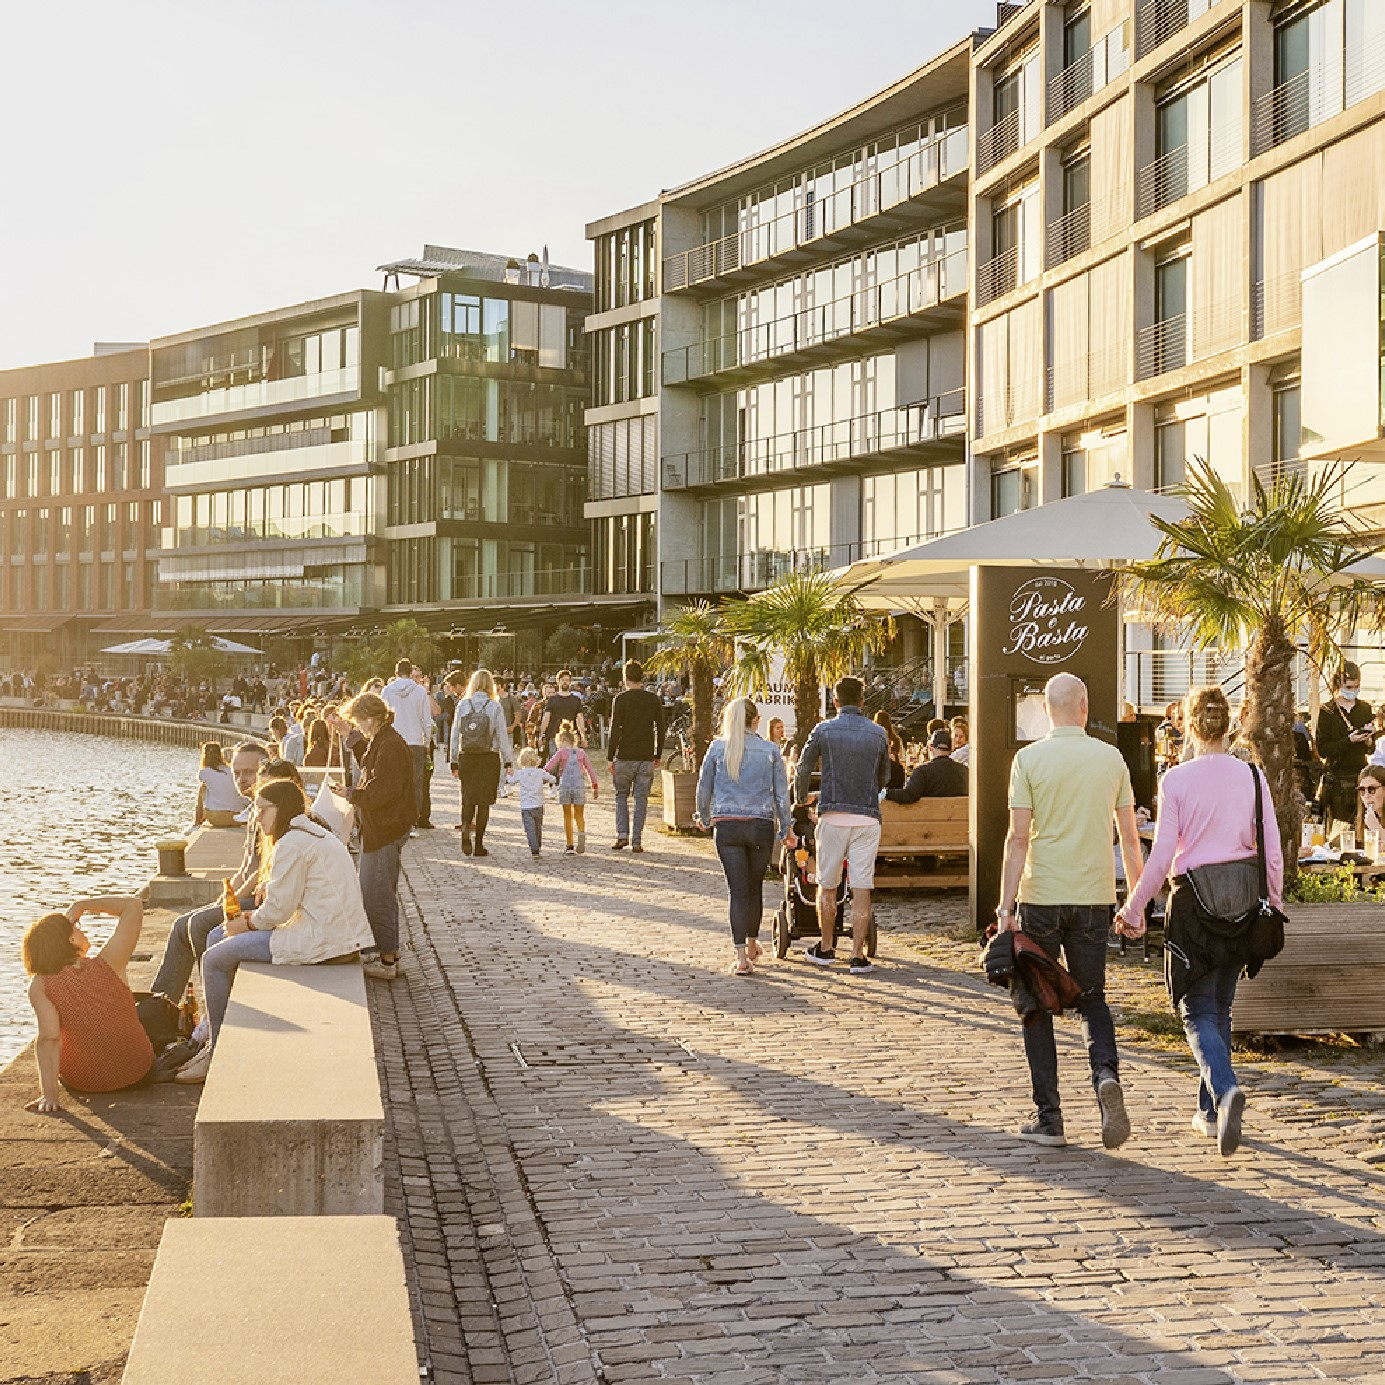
<point>171,164</point>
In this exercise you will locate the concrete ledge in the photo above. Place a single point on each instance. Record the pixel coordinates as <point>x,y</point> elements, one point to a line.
<point>276,1301</point>
<point>291,1123</point>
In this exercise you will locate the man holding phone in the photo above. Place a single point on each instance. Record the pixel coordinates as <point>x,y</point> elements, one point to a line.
<point>1064,792</point>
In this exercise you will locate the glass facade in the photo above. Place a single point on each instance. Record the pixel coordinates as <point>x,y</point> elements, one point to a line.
<point>625,266</point>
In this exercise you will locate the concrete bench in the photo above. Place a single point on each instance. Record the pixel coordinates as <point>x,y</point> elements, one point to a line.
<point>291,1123</point>
<point>930,827</point>
<point>276,1301</point>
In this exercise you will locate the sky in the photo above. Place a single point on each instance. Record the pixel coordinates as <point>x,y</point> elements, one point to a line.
<point>173,164</point>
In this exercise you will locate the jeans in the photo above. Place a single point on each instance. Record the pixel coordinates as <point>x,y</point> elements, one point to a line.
<point>625,776</point>
<point>533,826</point>
<point>187,941</point>
<point>420,758</point>
<point>380,893</point>
<point>1081,930</point>
<point>1206,1014</point>
<point>219,963</point>
<point>745,846</point>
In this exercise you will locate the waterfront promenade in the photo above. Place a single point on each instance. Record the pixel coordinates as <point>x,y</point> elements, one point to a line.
<point>613,1162</point>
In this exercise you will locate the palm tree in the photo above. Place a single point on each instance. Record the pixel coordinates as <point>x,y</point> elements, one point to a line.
<point>694,638</point>
<point>1261,577</point>
<point>815,625</point>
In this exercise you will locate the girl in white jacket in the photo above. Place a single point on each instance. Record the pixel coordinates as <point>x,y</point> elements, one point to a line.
<point>311,908</point>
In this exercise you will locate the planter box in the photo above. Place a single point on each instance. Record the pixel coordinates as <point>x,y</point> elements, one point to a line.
<point>680,800</point>
<point>1329,979</point>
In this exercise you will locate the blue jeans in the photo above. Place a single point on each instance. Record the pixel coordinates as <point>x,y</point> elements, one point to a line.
<point>1206,1014</point>
<point>533,826</point>
<point>628,775</point>
<point>745,846</point>
<point>1081,931</point>
<point>219,963</point>
<point>187,941</point>
<point>380,892</point>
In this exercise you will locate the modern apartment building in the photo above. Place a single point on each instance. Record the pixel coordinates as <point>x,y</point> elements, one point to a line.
<point>785,339</point>
<point>81,497</point>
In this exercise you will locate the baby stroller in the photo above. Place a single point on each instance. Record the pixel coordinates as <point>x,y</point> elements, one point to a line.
<point>797,916</point>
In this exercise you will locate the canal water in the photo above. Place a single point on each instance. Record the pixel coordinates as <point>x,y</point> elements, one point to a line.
<point>79,815</point>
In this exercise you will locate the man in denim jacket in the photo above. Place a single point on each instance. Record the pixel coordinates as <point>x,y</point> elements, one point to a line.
<point>854,756</point>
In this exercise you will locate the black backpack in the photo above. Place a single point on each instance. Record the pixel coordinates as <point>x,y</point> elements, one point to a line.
<point>474,728</point>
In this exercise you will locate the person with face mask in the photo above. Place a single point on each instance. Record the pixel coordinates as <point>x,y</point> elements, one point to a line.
<point>1345,737</point>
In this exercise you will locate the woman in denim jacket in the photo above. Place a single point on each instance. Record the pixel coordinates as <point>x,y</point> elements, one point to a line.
<point>742,795</point>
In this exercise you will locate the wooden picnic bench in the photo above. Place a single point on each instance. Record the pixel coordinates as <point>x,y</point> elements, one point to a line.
<point>930,827</point>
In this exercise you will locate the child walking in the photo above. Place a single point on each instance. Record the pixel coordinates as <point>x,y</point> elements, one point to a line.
<point>574,772</point>
<point>531,780</point>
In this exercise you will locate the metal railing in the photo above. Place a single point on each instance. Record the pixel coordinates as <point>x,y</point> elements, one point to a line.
<point>573,580</point>
<point>935,420</point>
<point>1161,347</point>
<point>1158,21</point>
<point>1316,94</point>
<point>1070,235</point>
<point>998,143</point>
<point>903,296</point>
<point>1106,59</point>
<point>1276,305</point>
<point>1162,182</point>
<point>1086,377</point>
<point>887,186</point>
<point>997,277</point>
<point>1016,403</point>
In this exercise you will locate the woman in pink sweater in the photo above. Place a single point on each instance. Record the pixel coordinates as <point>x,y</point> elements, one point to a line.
<point>1207,815</point>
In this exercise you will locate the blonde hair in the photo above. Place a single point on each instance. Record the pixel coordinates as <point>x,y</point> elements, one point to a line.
<point>567,732</point>
<point>528,757</point>
<point>481,681</point>
<point>1207,714</point>
<point>735,723</point>
<point>368,707</point>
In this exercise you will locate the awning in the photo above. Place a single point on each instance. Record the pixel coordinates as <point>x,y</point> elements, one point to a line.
<point>33,625</point>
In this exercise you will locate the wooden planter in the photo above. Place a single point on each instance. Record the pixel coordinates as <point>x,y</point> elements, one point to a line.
<point>680,800</point>
<point>1329,979</point>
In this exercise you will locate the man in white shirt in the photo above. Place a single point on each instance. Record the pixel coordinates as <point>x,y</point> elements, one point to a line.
<point>414,711</point>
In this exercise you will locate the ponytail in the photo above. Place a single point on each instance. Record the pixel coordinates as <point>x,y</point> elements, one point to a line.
<point>735,722</point>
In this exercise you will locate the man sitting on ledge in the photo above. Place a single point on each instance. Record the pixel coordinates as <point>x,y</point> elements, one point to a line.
<point>940,776</point>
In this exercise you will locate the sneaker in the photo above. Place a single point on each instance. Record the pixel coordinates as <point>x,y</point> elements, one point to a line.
<point>859,966</point>
<point>637,847</point>
<point>581,843</point>
<point>535,855</point>
<point>480,850</point>
<point>1039,1132</point>
<point>569,850</point>
<point>824,957</point>
<point>195,1069</point>
<point>1115,1124</point>
<point>620,844</point>
<point>1229,1110</point>
<point>381,971</point>
<point>1205,1124</point>
<point>466,842</point>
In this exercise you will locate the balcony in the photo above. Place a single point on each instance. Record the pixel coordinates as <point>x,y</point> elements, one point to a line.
<point>997,277</point>
<point>532,584</point>
<point>1161,347</point>
<point>1070,235</point>
<point>906,306</point>
<point>998,143</point>
<point>1162,182</point>
<point>1105,60</point>
<point>1159,20</point>
<point>254,465</point>
<point>1316,95</point>
<point>930,431</point>
<point>258,394</point>
<point>893,197</point>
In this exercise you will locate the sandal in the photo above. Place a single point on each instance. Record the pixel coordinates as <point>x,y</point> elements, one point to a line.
<point>739,968</point>
<point>753,952</point>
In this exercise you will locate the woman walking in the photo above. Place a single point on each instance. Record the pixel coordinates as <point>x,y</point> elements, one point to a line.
<point>1207,819</point>
<point>386,809</point>
<point>1345,740</point>
<point>743,795</point>
<point>477,745</point>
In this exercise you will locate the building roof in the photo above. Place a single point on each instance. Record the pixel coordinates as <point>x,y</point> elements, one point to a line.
<point>481,264</point>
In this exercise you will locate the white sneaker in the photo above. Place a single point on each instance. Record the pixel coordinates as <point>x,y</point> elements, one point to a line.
<point>195,1069</point>
<point>581,843</point>
<point>1204,1124</point>
<point>381,971</point>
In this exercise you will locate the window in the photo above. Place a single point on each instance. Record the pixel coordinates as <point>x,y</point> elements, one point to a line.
<point>1287,428</point>
<point>1077,36</point>
<point>1074,468</point>
<point>31,412</point>
<point>55,415</point>
<point>100,420</point>
<point>77,410</point>
<point>1010,491</point>
<point>1197,136</point>
<point>1168,343</point>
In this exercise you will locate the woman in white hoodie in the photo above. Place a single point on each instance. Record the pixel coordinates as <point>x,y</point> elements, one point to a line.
<point>311,910</point>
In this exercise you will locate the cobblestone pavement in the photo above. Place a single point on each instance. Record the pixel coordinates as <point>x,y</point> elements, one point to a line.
<point>613,1161</point>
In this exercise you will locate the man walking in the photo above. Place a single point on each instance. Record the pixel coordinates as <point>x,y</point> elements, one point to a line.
<point>1064,791</point>
<point>563,705</point>
<point>413,710</point>
<point>855,757</point>
<point>634,749</point>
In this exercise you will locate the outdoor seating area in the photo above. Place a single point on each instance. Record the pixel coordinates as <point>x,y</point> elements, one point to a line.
<point>930,828</point>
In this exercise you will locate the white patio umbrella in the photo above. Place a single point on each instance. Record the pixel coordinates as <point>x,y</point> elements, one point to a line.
<point>154,649</point>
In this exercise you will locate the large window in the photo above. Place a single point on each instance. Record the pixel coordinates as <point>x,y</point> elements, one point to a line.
<point>625,266</point>
<point>1197,136</point>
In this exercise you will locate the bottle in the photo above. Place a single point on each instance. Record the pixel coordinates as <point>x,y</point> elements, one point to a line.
<point>230,905</point>
<point>191,1015</point>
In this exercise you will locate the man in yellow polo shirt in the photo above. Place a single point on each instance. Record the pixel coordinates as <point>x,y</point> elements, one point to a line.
<point>1064,791</point>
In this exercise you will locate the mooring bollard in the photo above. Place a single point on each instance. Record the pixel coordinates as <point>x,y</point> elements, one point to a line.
<point>172,856</point>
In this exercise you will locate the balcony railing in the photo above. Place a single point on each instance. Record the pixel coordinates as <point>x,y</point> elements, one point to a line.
<point>902,297</point>
<point>1161,347</point>
<point>915,425</point>
<point>1159,20</point>
<point>998,143</point>
<point>997,277</point>
<point>1070,235</point>
<point>1106,59</point>
<point>257,395</point>
<point>573,580</point>
<point>818,219</point>
<point>1276,305</point>
<point>1316,95</point>
<point>1162,182</point>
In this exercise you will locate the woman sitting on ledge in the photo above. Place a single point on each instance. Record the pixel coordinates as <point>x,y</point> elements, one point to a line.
<point>218,799</point>
<point>311,910</point>
<point>89,1034</point>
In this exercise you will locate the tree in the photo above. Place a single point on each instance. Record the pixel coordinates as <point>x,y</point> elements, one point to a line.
<point>813,623</point>
<point>565,645</point>
<point>1259,578</point>
<point>193,656</point>
<point>376,656</point>
<point>694,638</point>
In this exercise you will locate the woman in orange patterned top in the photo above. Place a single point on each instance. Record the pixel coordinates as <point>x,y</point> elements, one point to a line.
<point>89,1034</point>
